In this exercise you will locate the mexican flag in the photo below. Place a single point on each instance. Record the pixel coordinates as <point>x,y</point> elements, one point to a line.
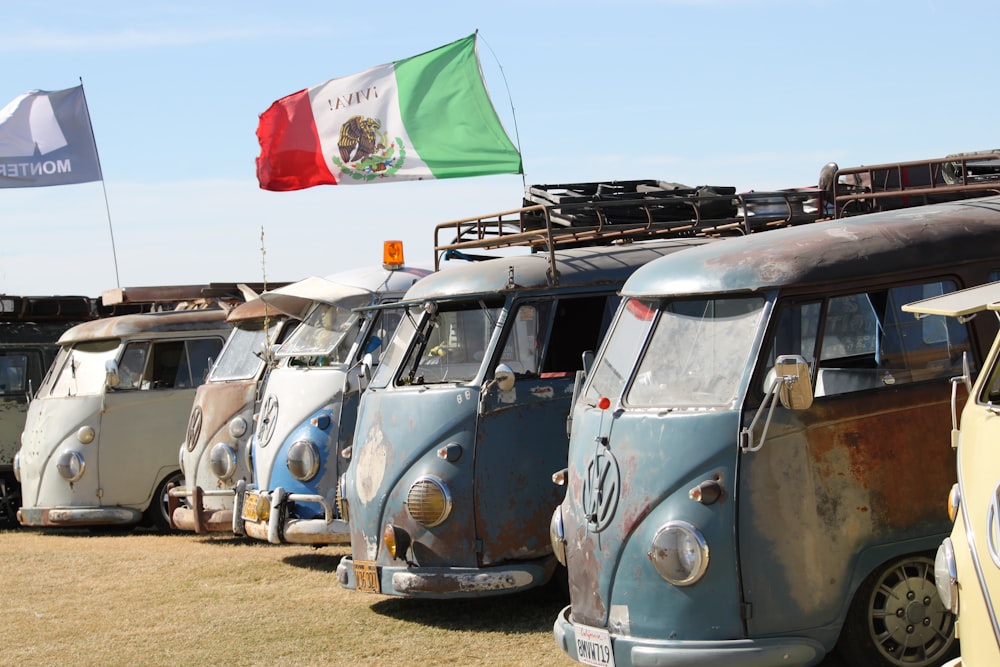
<point>424,117</point>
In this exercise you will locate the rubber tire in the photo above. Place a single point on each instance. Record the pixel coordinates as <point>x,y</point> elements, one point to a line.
<point>10,500</point>
<point>156,514</point>
<point>857,644</point>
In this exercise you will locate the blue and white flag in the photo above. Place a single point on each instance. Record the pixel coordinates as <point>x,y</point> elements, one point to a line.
<point>46,139</point>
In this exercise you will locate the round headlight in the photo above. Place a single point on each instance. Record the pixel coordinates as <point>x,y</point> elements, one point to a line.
<point>429,501</point>
<point>303,460</point>
<point>222,460</point>
<point>946,575</point>
<point>237,427</point>
<point>17,466</point>
<point>70,465</point>
<point>679,553</point>
<point>85,434</point>
<point>557,536</point>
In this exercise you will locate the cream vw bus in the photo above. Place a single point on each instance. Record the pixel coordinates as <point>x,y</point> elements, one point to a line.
<point>967,566</point>
<point>99,446</point>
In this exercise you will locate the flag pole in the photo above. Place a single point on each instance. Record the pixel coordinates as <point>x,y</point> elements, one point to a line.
<point>517,137</point>
<point>107,206</point>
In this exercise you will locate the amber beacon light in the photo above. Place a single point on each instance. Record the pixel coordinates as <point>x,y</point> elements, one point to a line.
<point>392,254</point>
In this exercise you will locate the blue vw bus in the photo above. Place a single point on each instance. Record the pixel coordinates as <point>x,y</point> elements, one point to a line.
<point>310,399</point>
<point>756,468</point>
<point>449,490</point>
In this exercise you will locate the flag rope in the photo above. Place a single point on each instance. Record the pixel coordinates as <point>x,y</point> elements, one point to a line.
<point>503,75</point>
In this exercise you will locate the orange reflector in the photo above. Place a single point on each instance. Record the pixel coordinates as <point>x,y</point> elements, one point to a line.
<point>604,403</point>
<point>392,254</point>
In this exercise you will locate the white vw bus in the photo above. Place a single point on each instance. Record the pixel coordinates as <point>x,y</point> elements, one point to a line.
<point>99,446</point>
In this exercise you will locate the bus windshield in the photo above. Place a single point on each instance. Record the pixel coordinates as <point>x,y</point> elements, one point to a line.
<point>450,345</point>
<point>80,370</point>
<point>324,338</point>
<point>241,358</point>
<point>691,353</point>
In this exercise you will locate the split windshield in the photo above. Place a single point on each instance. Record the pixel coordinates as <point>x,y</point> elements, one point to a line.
<point>325,337</point>
<point>80,370</point>
<point>690,353</point>
<point>450,345</point>
<point>242,357</point>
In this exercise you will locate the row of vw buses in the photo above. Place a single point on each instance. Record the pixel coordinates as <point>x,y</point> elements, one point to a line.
<point>748,472</point>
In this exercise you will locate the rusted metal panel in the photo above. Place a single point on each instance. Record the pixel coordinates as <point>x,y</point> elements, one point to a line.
<point>146,323</point>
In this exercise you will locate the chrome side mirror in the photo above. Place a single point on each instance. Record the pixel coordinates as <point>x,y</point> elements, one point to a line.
<point>111,378</point>
<point>504,377</point>
<point>366,369</point>
<point>795,391</point>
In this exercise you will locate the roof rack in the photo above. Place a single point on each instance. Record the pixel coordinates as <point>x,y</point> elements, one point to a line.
<point>884,187</point>
<point>171,297</point>
<point>46,308</point>
<point>589,214</point>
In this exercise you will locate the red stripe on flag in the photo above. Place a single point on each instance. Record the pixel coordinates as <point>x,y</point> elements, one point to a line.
<point>290,154</point>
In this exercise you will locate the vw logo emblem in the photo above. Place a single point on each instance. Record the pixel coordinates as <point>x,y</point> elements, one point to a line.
<point>268,418</point>
<point>993,527</point>
<point>600,490</point>
<point>194,428</point>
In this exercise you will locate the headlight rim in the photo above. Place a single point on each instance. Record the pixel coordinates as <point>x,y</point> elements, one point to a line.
<point>690,530</point>
<point>309,470</point>
<point>446,499</point>
<point>64,465</point>
<point>222,453</point>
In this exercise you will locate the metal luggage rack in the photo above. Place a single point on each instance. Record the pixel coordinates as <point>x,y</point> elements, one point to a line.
<point>586,214</point>
<point>46,308</point>
<point>184,297</point>
<point>858,190</point>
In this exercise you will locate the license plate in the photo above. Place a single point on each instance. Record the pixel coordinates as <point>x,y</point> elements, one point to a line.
<point>366,576</point>
<point>252,506</point>
<point>593,646</point>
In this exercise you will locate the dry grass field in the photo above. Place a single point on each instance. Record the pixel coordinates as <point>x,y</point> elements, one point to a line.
<point>73,598</point>
<point>76,598</point>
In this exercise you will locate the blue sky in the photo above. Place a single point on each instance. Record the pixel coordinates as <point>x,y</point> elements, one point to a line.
<point>758,94</point>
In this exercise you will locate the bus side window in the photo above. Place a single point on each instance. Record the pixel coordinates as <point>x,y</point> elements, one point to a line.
<point>869,343</point>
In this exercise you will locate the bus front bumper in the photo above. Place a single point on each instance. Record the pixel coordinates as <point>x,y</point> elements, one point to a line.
<point>639,652</point>
<point>449,582</point>
<point>194,516</point>
<point>78,516</point>
<point>275,525</point>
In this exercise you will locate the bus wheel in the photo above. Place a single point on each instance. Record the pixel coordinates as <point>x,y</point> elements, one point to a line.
<point>157,514</point>
<point>10,500</point>
<point>897,619</point>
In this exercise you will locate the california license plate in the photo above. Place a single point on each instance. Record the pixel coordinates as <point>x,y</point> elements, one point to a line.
<point>252,503</point>
<point>593,646</point>
<point>366,576</point>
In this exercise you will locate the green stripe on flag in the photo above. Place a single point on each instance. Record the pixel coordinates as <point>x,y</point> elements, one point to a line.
<point>449,116</point>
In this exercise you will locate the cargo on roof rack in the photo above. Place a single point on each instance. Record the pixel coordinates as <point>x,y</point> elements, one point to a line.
<point>167,297</point>
<point>601,213</point>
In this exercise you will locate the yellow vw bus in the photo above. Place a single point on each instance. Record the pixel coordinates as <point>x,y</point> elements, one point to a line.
<point>967,567</point>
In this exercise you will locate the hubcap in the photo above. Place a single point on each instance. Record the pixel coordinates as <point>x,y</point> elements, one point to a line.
<point>908,621</point>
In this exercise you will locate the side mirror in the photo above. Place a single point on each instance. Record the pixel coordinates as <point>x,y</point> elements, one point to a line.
<point>366,369</point>
<point>504,377</point>
<point>795,391</point>
<point>588,361</point>
<point>111,378</point>
<point>372,348</point>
